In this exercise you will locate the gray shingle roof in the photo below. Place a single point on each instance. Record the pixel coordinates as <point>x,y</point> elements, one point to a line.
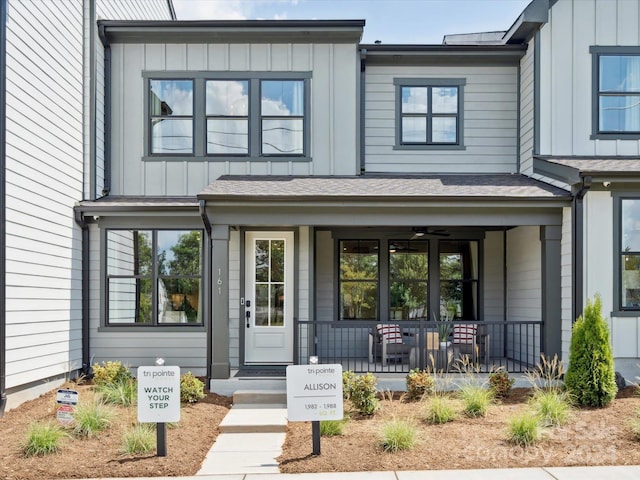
<point>598,165</point>
<point>380,186</point>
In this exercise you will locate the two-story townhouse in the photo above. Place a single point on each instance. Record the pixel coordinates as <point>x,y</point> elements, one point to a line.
<point>277,190</point>
<point>51,96</point>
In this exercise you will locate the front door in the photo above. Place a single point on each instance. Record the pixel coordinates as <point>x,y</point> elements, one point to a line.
<point>268,322</point>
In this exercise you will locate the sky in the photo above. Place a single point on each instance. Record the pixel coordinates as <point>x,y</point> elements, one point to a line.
<point>390,21</point>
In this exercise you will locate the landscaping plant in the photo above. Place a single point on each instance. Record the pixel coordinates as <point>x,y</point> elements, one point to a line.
<point>591,376</point>
<point>191,388</point>
<point>500,382</point>
<point>110,373</point>
<point>361,391</point>
<point>140,438</point>
<point>43,438</point>
<point>634,425</point>
<point>419,383</point>
<point>398,434</point>
<point>552,407</point>
<point>476,399</point>
<point>438,410</point>
<point>91,417</point>
<point>332,428</point>
<point>123,392</point>
<point>524,429</point>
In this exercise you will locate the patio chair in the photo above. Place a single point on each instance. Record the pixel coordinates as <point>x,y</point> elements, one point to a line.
<point>471,339</point>
<point>389,342</point>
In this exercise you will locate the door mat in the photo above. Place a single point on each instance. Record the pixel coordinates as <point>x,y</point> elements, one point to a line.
<point>260,374</point>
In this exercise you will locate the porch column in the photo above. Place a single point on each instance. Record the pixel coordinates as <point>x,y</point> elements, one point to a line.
<point>550,237</point>
<point>220,309</point>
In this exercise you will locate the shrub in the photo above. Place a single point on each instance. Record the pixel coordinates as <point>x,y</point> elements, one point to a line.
<point>331,428</point>
<point>552,407</point>
<point>398,435</point>
<point>361,390</point>
<point>591,377</point>
<point>500,383</point>
<point>91,418</point>
<point>140,438</point>
<point>419,383</point>
<point>110,373</point>
<point>348,381</point>
<point>634,425</point>
<point>476,400</point>
<point>439,410</point>
<point>191,389</point>
<point>524,429</point>
<point>42,439</point>
<point>123,392</point>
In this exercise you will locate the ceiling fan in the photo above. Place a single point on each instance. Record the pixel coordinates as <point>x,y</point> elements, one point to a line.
<point>422,231</point>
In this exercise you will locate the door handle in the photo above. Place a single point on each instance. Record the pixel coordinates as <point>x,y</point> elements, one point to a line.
<point>247,314</point>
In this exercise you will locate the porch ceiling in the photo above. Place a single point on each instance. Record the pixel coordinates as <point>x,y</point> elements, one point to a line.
<point>572,170</point>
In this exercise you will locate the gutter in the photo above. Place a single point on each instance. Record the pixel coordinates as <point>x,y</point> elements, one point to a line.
<point>106,188</point>
<point>577,221</point>
<point>208,279</point>
<point>86,359</point>
<point>3,193</point>
<point>92,100</point>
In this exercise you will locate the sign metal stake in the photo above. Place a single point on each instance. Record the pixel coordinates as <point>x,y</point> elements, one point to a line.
<point>161,439</point>
<point>315,434</point>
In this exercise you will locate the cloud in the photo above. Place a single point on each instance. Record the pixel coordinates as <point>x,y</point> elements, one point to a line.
<point>212,9</point>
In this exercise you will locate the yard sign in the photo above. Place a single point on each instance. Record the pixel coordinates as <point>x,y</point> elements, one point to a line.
<point>314,392</point>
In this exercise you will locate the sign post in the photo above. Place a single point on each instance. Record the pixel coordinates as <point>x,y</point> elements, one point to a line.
<point>159,400</point>
<point>314,393</point>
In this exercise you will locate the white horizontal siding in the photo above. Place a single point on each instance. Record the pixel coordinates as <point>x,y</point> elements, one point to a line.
<point>490,122</point>
<point>333,119</point>
<point>565,82</point>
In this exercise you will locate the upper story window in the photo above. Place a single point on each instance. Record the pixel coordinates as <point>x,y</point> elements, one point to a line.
<point>628,253</point>
<point>154,277</point>
<point>229,116</point>
<point>429,113</point>
<point>616,92</point>
<point>171,117</point>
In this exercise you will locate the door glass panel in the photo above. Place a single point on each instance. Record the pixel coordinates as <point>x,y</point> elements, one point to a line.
<point>270,276</point>
<point>262,260</point>
<point>262,305</point>
<point>459,280</point>
<point>408,274</point>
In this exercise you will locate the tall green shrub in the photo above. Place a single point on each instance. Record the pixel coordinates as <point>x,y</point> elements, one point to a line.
<point>591,377</point>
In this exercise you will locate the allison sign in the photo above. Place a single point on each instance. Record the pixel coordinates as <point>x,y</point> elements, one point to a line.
<point>314,392</point>
<point>158,394</point>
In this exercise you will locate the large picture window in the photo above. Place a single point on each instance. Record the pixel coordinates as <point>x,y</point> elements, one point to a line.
<point>229,116</point>
<point>154,277</point>
<point>458,280</point>
<point>359,278</point>
<point>408,279</point>
<point>616,92</point>
<point>429,113</point>
<point>629,254</point>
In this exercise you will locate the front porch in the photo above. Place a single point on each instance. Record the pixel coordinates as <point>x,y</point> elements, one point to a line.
<point>515,346</point>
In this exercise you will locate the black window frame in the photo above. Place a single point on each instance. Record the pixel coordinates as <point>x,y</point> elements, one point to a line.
<point>597,52</point>
<point>151,117</point>
<point>200,117</point>
<point>619,253</point>
<point>154,278</point>
<point>429,83</point>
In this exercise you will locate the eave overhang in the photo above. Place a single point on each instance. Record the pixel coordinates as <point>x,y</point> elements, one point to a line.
<point>231,31</point>
<point>530,20</point>
<point>133,206</point>
<point>381,54</point>
<point>572,170</point>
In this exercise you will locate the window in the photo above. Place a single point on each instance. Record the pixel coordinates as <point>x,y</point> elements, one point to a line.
<point>616,92</point>
<point>154,277</point>
<point>429,113</point>
<point>629,253</point>
<point>228,116</point>
<point>386,279</point>
<point>171,117</point>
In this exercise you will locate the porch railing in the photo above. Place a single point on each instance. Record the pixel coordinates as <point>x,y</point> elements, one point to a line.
<point>514,345</point>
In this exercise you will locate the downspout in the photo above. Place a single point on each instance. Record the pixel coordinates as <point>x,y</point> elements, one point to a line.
<point>363,68</point>
<point>578,246</point>
<point>92,99</point>
<point>86,359</point>
<point>202,209</point>
<point>3,205</point>
<point>107,110</point>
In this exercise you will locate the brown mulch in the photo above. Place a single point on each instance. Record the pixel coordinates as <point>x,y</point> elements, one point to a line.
<point>592,437</point>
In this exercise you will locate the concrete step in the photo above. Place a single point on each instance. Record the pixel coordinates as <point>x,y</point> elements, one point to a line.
<point>254,420</point>
<point>260,397</point>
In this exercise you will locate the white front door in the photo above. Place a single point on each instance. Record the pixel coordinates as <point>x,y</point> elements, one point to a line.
<point>268,322</point>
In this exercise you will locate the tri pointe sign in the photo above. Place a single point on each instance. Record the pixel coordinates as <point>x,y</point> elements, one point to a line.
<point>158,394</point>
